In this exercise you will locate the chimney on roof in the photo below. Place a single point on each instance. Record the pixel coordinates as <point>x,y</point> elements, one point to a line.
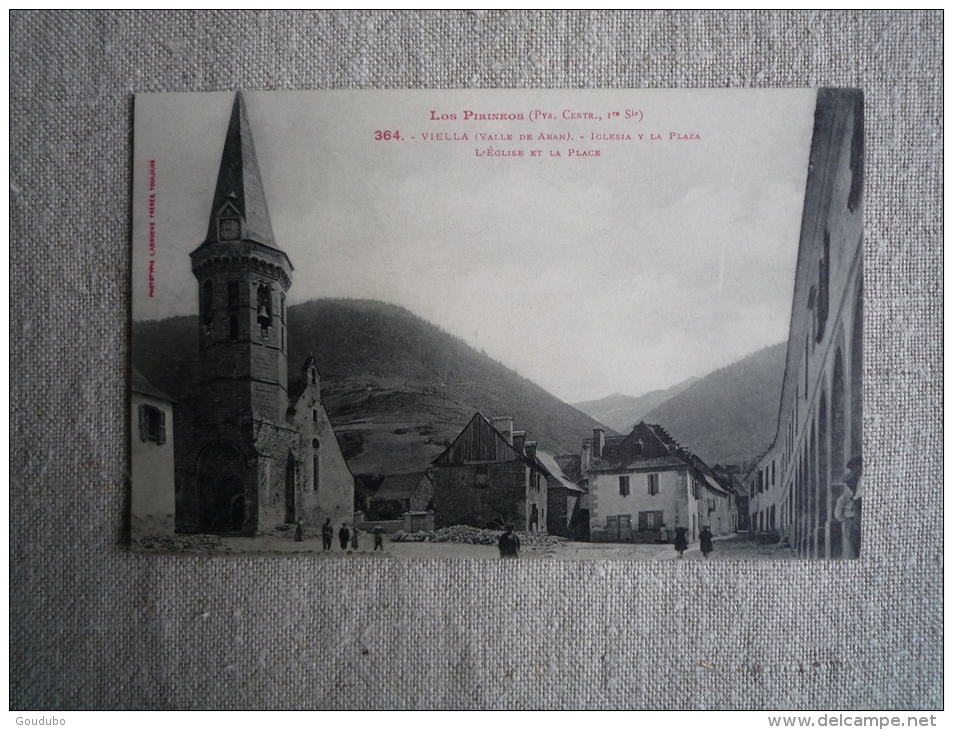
<point>531,449</point>
<point>598,442</point>
<point>519,441</point>
<point>584,456</point>
<point>504,424</point>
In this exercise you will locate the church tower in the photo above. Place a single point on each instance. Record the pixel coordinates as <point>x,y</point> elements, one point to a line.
<point>243,279</point>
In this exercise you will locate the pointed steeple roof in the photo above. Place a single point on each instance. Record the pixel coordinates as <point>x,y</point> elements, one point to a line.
<point>239,182</point>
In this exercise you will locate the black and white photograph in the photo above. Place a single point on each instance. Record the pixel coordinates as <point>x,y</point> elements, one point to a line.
<point>619,324</point>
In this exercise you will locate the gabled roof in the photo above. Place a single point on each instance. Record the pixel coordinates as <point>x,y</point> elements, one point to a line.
<point>644,443</point>
<point>650,446</point>
<point>571,464</point>
<point>144,387</point>
<point>480,441</point>
<point>399,486</point>
<point>300,385</point>
<point>239,182</point>
<point>556,473</point>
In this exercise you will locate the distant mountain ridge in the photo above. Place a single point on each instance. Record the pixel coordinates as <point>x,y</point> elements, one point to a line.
<point>730,415</point>
<point>621,412</point>
<point>397,388</point>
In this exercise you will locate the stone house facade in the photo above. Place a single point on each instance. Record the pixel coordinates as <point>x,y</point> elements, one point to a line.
<point>489,476</point>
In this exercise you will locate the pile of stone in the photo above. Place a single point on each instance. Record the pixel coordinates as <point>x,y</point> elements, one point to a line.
<point>473,536</point>
<point>178,543</point>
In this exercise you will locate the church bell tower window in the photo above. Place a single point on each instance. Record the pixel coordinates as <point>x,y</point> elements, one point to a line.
<point>205,305</point>
<point>233,295</point>
<point>264,308</point>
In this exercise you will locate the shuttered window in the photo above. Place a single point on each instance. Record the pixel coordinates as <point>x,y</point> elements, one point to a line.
<point>653,483</point>
<point>151,424</point>
<point>651,520</point>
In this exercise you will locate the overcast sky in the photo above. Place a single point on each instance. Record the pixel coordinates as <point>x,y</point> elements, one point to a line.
<point>626,272</point>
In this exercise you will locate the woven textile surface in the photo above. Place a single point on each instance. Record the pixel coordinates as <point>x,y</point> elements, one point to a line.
<point>93,626</point>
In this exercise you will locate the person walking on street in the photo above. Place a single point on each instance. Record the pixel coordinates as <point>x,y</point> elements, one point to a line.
<point>378,539</point>
<point>509,544</point>
<point>327,534</point>
<point>354,539</point>
<point>706,544</point>
<point>344,535</point>
<point>681,543</point>
<point>299,531</point>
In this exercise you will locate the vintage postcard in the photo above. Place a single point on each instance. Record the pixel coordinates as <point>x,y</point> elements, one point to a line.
<point>620,324</point>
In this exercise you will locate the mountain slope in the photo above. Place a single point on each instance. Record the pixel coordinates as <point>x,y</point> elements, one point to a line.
<point>622,412</point>
<point>731,414</point>
<point>396,387</point>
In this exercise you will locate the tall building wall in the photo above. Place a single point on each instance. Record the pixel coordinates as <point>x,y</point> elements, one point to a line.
<point>820,426</point>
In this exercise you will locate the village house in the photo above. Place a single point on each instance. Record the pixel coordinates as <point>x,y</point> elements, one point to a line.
<point>401,493</point>
<point>562,498</point>
<point>252,455</point>
<point>490,476</point>
<point>795,486</point>
<point>733,477</point>
<point>153,460</point>
<point>643,486</point>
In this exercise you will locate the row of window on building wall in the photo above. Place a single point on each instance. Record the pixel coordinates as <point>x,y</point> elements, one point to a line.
<point>263,309</point>
<point>652,486</point>
<point>648,520</point>
<point>819,302</point>
<point>625,487</point>
<point>764,520</point>
<point>764,479</point>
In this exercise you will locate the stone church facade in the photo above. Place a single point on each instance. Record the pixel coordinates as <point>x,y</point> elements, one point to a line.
<point>251,453</point>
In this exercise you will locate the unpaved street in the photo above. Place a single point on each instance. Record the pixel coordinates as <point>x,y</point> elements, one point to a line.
<point>732,548</point>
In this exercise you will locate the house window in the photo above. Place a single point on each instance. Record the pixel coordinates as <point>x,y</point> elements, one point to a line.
<point>653,483</point>
<point>151,424</point>
<point>482,473</point>
<point>651,520</point>
<point>233,327</point>
<point>624,486</point>
<point>314,415</point>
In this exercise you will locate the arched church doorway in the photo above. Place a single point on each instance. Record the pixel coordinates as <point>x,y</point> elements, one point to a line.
<point>221,488</point>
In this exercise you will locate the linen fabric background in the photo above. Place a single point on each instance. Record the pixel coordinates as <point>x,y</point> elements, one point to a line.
<point>94,626</point>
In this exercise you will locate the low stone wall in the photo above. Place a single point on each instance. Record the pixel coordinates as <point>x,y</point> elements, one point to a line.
<point>388,526</point>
